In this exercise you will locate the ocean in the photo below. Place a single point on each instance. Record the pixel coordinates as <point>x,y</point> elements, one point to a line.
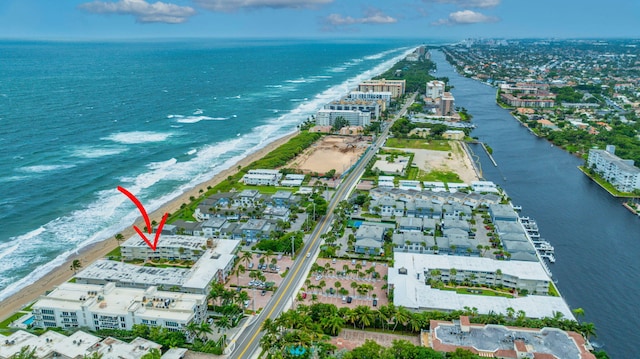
<point>78,119</point>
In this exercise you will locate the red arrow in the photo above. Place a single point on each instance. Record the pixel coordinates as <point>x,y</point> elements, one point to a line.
<point>133,198</point>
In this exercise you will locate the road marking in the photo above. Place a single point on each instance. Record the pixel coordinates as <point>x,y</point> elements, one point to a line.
<point>341,190</point>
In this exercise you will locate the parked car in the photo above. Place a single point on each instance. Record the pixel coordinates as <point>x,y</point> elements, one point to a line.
<point>331,290</point>
<point>349,299</point>
<point>375,302</point>
<point>263,292</point>
<point>344,299</point>
<point>304,295</point>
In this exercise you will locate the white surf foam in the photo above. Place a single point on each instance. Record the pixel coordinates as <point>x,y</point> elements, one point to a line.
<point>44,168</point>
<point>138,137</point>
<point>196,119</point>
<point>96,152</point>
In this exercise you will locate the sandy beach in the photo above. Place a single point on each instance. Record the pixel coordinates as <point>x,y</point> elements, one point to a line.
<point>63,273</point>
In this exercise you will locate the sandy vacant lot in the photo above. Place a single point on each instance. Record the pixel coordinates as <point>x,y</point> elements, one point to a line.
<point>459,162</point>
<point>331,152</point>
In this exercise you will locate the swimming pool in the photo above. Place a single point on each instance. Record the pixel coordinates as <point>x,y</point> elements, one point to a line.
<point>29,320</point>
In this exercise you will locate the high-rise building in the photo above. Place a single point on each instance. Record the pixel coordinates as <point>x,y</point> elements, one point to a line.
<point>435,89</point>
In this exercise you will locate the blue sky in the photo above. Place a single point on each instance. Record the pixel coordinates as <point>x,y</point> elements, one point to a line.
<point>437,19</point>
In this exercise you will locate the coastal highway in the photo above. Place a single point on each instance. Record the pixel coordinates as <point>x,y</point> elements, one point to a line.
<point>247,344</point>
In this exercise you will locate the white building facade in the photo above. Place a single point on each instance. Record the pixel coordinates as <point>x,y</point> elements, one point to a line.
<point>622,174</point>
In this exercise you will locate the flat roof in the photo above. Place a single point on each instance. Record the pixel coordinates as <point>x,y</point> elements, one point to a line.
<point>498,337</point>
<point>520,269</point>
<point>169,241</point>
<point>113,271</point>
<point>411,292</point>
<point>111,300</point>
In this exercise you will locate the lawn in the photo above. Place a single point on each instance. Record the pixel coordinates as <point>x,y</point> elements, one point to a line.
<point>423,144</point>
<point>477,291</point>
<point>439,176</point>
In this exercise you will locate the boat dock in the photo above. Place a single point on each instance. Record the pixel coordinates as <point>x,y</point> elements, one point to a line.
<point>544,249</point>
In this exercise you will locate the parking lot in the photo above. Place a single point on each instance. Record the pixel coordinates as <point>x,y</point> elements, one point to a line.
<point>347,272</point>
<point>255,291</point>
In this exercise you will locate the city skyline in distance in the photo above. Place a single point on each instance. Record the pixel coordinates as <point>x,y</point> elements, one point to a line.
<point>437,19</point>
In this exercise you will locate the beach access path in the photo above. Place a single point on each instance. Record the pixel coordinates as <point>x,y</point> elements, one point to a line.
<point>63,273</point>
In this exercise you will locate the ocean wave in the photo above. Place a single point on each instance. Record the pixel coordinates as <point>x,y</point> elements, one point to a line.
<point>162,164</point>
<point>44,168</point>
<point>198,112</point>
<point>138,137</point>
<point>196,119</point>
<point>297,81</point>
<point>96,152</point>
<point>338,69</point>
<point>273,86</point>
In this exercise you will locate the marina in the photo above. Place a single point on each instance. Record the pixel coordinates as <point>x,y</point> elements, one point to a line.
<point>544,249</point>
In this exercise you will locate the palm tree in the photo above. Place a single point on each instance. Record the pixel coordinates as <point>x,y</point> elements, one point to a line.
<point>332,324</point>
<point>588,330</point>
<point>247,257</point>
<point>240,270</point>
<point>204,329</point>
<point>366,316</point>
<point>75,265</point>
<point>25,353</point>
<point>354,285</point>
<point>224,322</point>
<point>402,316</point>
<point>192,329</point>
<point>154,353</point>
<point>119,238</point>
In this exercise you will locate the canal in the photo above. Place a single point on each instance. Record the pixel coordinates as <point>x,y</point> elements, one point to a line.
<point>596,240</point>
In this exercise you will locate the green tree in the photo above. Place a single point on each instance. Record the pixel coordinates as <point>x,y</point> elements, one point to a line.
<point>154,353</point>
<point>75,265</point>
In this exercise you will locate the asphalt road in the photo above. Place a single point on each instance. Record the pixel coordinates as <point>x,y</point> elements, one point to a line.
<point>247,344</point>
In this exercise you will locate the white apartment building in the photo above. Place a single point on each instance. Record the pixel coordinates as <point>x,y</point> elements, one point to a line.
<point>326,117</point>
<point>372,96</point>
<point>170,247</point>
<point>214,264</point>
<point>373,106</point>
<point>435,89</point>
<point>622,174</point>
<point>262,177</point>
<point>74,305</point>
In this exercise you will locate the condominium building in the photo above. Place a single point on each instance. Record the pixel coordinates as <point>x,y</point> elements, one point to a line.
<point>74,305</point>
<point>408,278</point>
<point>375,107</point>
<point>326,117</point>
<point>446,104</point>
<point>214,265</point>
<point>622,174</point>
<point>511,100</point>
<point>170,247</point>
<point>435,89</point>
<point>498,341</point>
<point>262,177</point>
<point>372,96</point>
<point>396,87</point>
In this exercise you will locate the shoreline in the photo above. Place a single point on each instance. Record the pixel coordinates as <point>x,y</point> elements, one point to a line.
<point>90,254</point>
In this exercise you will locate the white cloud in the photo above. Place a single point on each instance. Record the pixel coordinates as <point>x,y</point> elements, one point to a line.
<point>143,11</point>
<point>469,3</point>
<point>373,16</point>
<point>465,17</point>
<point>231,5</point>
